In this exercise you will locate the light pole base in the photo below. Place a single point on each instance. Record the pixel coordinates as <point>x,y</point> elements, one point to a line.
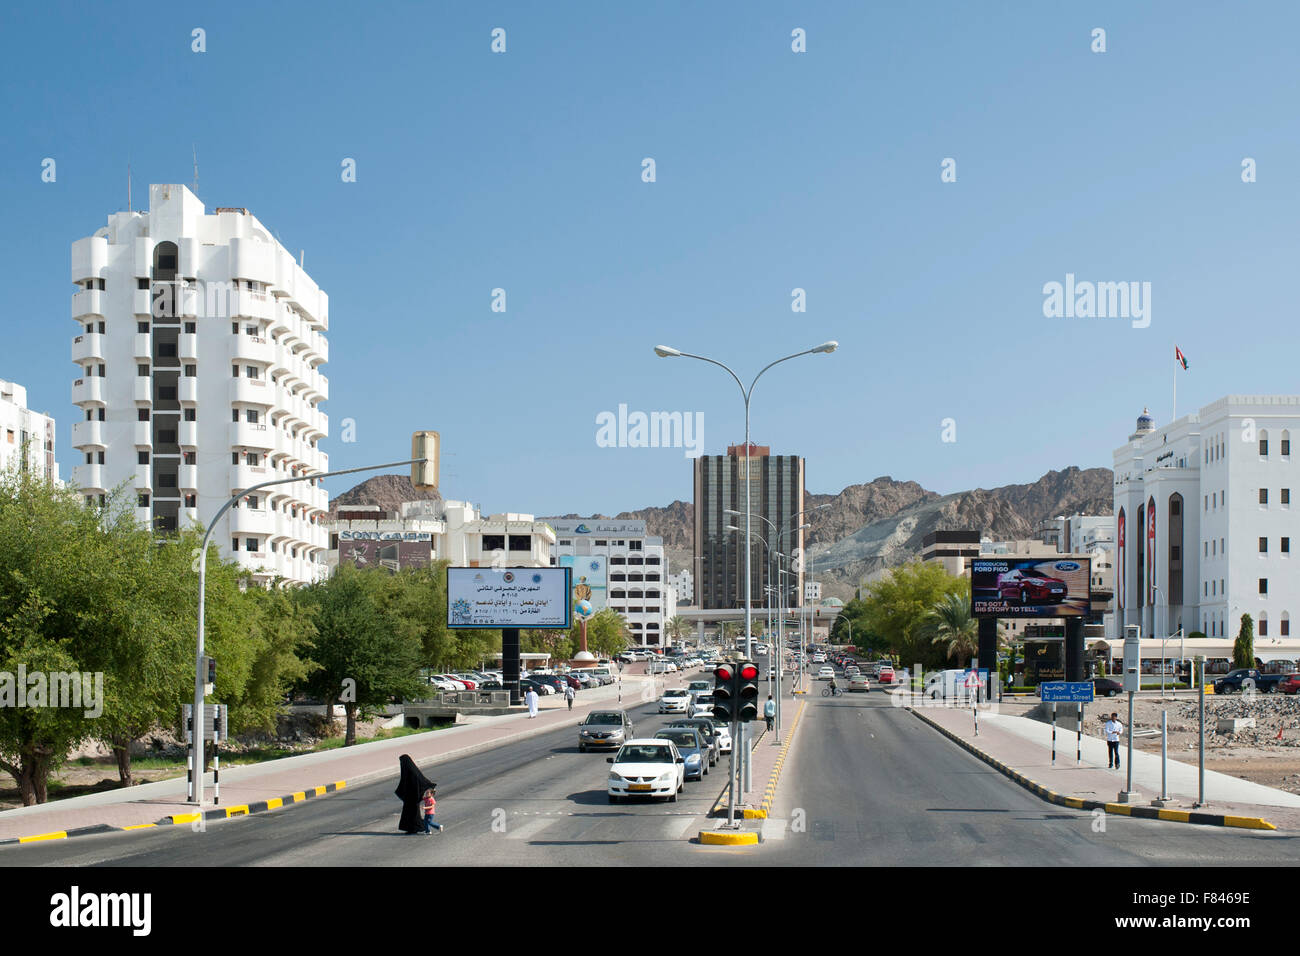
<point>1128,796</point>
<point>1157,802</point>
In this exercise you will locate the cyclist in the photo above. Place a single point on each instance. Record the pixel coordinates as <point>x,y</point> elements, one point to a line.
<point>835,691</point>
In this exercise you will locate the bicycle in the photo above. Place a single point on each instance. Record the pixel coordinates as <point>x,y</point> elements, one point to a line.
<point>832,692</point>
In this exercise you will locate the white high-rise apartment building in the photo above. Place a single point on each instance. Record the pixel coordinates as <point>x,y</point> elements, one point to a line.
<point>23,429</point>
<point>200,344</point>
<point>1205,520</point>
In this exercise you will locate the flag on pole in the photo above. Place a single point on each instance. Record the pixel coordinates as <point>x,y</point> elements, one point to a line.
<point>1180,357</point>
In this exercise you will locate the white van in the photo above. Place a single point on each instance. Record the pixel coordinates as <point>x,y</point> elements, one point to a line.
<point>947,685</point>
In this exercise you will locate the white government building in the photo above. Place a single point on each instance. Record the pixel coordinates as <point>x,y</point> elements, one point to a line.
<point>199,343</point>
<point>23,430</point>
<point>1205,523</point>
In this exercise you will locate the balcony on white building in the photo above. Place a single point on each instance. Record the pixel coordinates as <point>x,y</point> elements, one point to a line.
<point>87,304</point>
<point>89,477</point>
<point>252,391</point>
<point>187,390</point>
<point>88,347</point>
<point>142,347</point>
<point>142,432</point>
<point>187,433</point>
<point>89,389</point>
<point>142,390</point>
<point>142,303</point>
<point>187,477</point>
<point>86,434</point>
<point>249,435</point>
<point>188,347</point>
<point>245,476</point>
<point>253,348</point>
<point>143,477</point>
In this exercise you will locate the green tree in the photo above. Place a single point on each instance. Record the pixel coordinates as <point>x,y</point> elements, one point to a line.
<point>366,650</point>
<point>896,605</point>
<point>950,625</point>
<point>1243,648</point>
<point>607,633</point>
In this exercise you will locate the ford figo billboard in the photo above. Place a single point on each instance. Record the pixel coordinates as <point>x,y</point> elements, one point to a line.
<point>1030,587</point>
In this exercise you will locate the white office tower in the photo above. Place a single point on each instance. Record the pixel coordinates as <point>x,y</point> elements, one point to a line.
<point>26,437</point>
<point>200,342</point>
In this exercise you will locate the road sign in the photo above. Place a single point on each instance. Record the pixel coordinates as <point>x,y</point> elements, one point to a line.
<point>214,719</point>
<point>1062,691</point>
<point>972,679</point>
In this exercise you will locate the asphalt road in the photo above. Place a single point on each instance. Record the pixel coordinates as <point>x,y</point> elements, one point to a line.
<point>533,802</point>
<point>866,784</point>
<point>870,784</point>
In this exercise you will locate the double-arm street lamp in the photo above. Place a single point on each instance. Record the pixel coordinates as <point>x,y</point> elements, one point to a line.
<point>663,351</point>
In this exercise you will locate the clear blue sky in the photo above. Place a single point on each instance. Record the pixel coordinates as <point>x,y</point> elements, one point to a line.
<point>775,170</point>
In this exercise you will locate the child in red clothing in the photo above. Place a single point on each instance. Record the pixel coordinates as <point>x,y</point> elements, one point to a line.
<point>430,807</point>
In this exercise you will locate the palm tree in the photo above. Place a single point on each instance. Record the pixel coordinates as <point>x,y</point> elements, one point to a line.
<point>950,622</point>
<point>677,627</point>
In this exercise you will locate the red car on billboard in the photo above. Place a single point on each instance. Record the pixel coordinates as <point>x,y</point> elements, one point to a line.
<point>1028,586</point>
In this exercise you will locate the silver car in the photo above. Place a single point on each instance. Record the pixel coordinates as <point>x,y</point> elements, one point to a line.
<point>604,728</point>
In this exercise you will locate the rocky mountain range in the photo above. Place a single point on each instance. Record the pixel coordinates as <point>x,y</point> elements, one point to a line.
<point>867,527</point>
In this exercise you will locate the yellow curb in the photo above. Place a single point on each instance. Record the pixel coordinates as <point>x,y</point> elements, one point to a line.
<point>274,803</point>
<point>239,811</point>
<point>715,838</point>
<point>139,826</point>
<point>1179,816</point>
<point>185,817</point>
<point>1248,823</point>
<point>59,835</point>
<point>299,796</point>
<point>320,791</point>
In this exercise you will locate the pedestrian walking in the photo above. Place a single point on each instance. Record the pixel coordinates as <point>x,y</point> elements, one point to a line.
<point>430,807</point>
<point>411,787</point>
<point>531,700</point>
<point>769,711</point>
<point>1113,729</point>
<point>568,695</point>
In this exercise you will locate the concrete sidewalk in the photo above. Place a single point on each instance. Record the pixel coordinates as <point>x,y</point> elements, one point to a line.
<point>266,786</point>
<point>1024,746</point>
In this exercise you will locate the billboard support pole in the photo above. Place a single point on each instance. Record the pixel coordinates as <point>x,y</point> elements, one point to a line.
<point>1053,733</point>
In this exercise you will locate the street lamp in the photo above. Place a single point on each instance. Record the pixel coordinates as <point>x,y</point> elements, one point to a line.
<point>197,721</point>
<point>664,351</point>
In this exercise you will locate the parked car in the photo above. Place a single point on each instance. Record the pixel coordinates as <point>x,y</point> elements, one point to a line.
<point>1105,687</point>
<point>647,767</point>
<point>605,728</point>
<point>690,744</point>
<point>1289,684</point>
<point>527,683</point>
<point>1233,681</point>
<point>442,683</point>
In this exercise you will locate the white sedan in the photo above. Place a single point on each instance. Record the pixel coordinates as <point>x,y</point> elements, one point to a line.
<point>647,767</point>
<point>724,737</point>
<point>675,701</point>
<point>826,673</point>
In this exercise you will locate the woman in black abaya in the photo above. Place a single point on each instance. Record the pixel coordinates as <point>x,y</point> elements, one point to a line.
<point>410,790</point>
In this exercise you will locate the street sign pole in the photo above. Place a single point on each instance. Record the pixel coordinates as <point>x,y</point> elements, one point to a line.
<point>1053,733</point>
<point>1078,739</point>
<point>1199,669</point>
<point>1132,682</point>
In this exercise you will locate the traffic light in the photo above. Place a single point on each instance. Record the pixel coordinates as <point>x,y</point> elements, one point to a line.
<point>724,693</point>
<point>747,691</point>
<point>424,475</point>
<point>212,669</point>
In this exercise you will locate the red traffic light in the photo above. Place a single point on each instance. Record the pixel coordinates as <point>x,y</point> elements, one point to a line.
<point>748,671</point>
<point>723,672</point>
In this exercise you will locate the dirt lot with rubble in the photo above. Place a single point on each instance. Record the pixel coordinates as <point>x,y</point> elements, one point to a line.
<point>1255,754</point>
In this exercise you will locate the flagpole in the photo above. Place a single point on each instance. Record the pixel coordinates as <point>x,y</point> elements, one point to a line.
<point>1176,363</point>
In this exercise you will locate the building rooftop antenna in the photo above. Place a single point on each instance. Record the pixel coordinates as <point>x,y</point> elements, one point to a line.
<point>196,169</point>
<point>128,187</point>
